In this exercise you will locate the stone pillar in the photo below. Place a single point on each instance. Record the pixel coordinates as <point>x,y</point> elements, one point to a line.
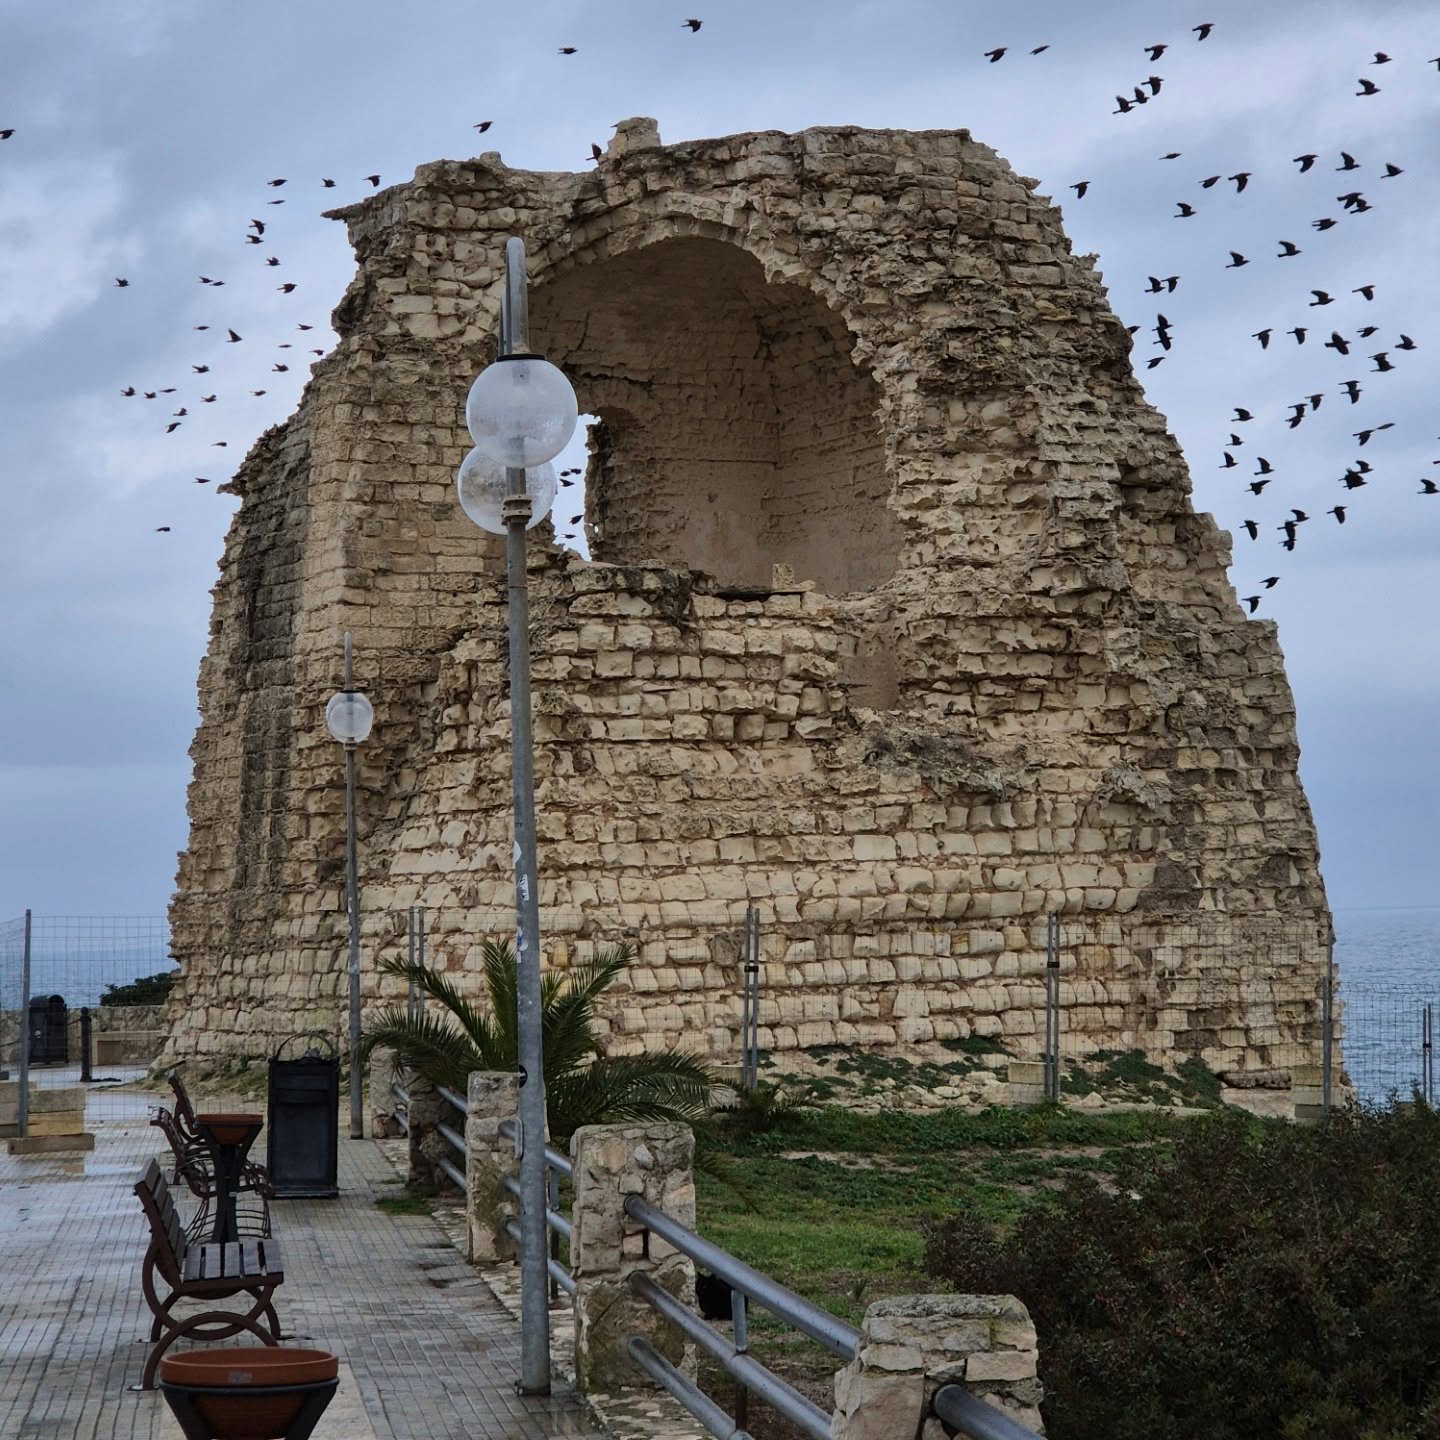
<point>607,1246</point>
<point>384,1071</point>
<point>911,1345</point>
<point>426,1142</point>
<point>489,1159</point>
<point>1307,1092</point>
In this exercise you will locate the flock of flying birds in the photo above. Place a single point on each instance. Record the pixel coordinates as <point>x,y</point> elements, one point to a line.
<point>1353,202</point>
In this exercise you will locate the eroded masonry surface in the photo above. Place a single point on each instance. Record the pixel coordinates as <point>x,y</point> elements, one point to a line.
<point>900,627</point>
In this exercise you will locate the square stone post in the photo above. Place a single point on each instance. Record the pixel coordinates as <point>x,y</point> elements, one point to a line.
<point>489,1158</point>
<point>606,1246</point>
<point>426,1142</point>
<point>384,1071</point>
<point>911,1345</point>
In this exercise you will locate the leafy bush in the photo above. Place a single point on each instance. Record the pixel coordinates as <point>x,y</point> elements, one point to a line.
<point>1261,1282</point>
<point>147,990</point>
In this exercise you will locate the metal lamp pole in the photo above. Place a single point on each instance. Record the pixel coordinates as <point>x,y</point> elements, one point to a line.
<point>348,717</point>
<point>534,1273</point>
<point>521,412</point>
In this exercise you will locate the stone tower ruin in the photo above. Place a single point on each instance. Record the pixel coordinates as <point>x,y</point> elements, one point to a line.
<point>900,627</point>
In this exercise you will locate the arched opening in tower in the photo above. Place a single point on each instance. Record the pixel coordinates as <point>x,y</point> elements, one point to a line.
<point>734,431</point>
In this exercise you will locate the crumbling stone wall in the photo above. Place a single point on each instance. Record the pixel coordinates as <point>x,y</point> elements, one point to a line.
<point>900,627</point>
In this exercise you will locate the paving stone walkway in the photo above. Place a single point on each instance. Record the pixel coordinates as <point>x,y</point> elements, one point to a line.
<point>427,1351</point>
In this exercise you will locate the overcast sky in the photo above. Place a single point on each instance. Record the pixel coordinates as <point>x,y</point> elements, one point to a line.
<point>145,133</point>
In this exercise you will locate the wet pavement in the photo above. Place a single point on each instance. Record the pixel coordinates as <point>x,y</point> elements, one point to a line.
<point>426,1350</point>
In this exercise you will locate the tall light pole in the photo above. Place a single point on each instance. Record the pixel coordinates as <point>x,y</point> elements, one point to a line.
<point>521,412</point>
<point>348,717</point>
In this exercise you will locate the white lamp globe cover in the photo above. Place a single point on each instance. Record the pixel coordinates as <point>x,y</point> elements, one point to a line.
<point>349,716</point>
<point>482,486</point>
<point>521,411</point>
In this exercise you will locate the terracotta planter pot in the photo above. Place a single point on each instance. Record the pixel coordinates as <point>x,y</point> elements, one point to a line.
<point>231,1129</point>
<point>232,1392</point>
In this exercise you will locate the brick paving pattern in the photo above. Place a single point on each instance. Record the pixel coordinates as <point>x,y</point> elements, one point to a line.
<point>432,1353</point>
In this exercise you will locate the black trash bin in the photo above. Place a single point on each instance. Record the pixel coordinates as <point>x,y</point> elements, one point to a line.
<point>302,1151</point>
<point>49,1041</point>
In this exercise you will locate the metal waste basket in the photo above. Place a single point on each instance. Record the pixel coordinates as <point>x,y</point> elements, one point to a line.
<point>302,1151</point>
<point>49,1041</point>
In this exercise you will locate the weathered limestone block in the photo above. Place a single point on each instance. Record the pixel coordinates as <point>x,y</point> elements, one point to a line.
<point>493,1098</point>
<point>612,1162</point>
<point>912,1345</point>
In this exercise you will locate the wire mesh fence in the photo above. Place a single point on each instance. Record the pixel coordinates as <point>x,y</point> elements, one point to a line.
<point>81,1004</point>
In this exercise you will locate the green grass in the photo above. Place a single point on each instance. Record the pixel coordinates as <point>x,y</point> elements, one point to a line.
<point>406,1204</point>
<point>832,1203</point>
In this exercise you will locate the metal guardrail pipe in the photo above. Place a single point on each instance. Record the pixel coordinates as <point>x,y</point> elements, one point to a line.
<point>553,1219</point>
<point>458,1176</point>
<point>400,1093</point>
<point>554,1158</point>
<point>456,1139</point>
<point>695,1400</point>
<point>558,1273</point>
<point>833,1333</point>
<point>975,1419</point>
<point>458,1101</point>
<point>803,1413</point>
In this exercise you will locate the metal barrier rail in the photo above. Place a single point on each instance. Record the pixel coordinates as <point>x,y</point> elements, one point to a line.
<point>558,1273</point>
<point>975,1419</point>
<point>452,1137</point>
<point>402,1111</point>
<point>820,1325</point>
<point>689,1394</point>
<point>749,1372</point>
<point>554,1158</point>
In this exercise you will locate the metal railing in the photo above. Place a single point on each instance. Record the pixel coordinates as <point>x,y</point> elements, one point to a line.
<point>402,1105</point>
<point>556,1165</point>
<point>965,1414</point>
<point>746,1283</point>
<point>968,1415</point>
<point>971,1416</point>
<point>455,1139</point>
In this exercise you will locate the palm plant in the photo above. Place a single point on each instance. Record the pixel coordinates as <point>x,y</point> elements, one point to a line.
<point>583,1085</point>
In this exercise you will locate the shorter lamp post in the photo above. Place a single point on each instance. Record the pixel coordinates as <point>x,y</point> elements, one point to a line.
<point>348,717</point>
<point>521,413</point>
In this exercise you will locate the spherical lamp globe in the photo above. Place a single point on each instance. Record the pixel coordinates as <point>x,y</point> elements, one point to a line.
<point>521,411</point>
<point>482,486</point>
<point>349,716</point>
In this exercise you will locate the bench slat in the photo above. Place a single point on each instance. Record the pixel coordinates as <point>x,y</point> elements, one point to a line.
<point>274,1263</point>
<point>232,1260</point>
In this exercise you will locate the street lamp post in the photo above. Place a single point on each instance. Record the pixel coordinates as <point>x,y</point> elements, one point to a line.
<point>521,412</point>
<point>348,717</point>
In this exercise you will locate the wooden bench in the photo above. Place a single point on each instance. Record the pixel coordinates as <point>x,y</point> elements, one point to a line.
<point>194,1167</point>
<point>202,1272</point>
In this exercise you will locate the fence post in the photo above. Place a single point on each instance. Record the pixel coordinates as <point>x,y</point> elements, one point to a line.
<point>86,1076</point>
<point>911,1345</point>
<point>1327,1027</point>
<point>1427,1056</point>
<point>492,1097</point>
<point>612,1162</point>
<point>750,1003</point>
<point>1052,1007</point>
<point>22,1116</point>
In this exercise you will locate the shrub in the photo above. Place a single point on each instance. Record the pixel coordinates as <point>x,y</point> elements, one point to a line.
<point>147,990</point>
<point>1262,1282</point>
